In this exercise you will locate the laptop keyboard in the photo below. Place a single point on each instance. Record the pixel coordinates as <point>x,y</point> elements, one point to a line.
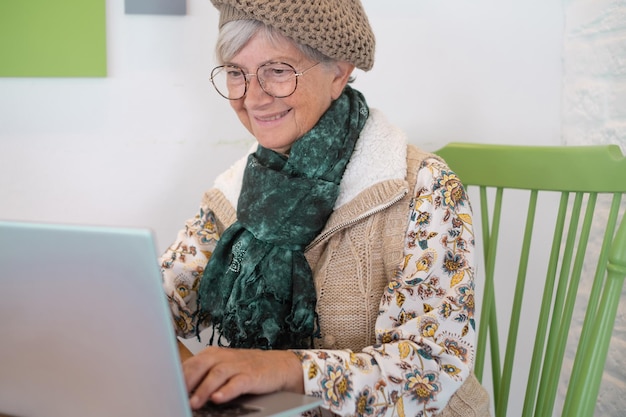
<point>231,409</point>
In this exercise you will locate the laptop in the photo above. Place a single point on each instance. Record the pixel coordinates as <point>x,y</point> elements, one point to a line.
<point>85,329</point>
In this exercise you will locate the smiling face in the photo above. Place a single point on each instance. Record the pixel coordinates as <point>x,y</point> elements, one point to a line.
<point>277,123</point>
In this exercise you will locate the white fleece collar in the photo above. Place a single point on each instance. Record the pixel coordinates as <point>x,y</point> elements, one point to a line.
<point>379,155</point>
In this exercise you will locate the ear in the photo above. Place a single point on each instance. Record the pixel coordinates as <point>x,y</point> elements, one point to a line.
<point>342,75</point>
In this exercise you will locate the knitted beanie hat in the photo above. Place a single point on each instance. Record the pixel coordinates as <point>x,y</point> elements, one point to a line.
<point>337,28</point>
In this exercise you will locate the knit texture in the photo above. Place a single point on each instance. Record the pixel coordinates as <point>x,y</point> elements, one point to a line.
<point>352,253</point>
<point>471,400</point>
<point>337,28</point>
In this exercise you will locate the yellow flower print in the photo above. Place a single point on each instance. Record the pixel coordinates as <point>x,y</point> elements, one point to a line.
<point>365,402</point>
<point>393,285</point>
<point>428,327</point>
<point>423,218</point>
<point>196,282</point>
<point>454,263</point>
<point>429,330</point>
<point>426,260</point>
<point>403,317</point>
<point>336,386</point>
<point>453,191</point>
<point>424,387</point>
<point>207,231</point>
<point>389,337</point>
<point>313,370</point>
<point>451,370</point>
<point>358,361</point>
<point>182,290</point>
<point>183,321</point>
<point>457,278</point>
<point>465,218</point>
<point>405,349</point>
<point>466,298</point>
<point>457,347</point>
<point>406,260</point>
<point>400,407</point>
<point>400,298</point>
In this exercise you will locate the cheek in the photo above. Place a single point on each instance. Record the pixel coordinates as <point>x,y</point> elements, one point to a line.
<point>236,105</point>
<point>241,112</point>
<point>306,117</point>
<point>315,107</point>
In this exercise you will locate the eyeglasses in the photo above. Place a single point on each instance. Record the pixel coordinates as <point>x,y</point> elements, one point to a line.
<point>277,79</point>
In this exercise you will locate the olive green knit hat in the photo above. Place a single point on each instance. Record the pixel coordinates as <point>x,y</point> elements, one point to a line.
<point>337,28</point>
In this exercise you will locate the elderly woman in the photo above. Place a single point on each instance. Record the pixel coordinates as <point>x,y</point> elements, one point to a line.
<point>334,259</point>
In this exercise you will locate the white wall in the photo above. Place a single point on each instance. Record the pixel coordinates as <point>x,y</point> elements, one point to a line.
<point>138,147</point>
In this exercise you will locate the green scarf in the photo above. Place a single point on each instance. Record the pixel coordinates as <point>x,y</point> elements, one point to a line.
<point>257,289</point>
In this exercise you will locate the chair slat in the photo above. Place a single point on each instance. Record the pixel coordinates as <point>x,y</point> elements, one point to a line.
<point>507,371</point>
<point>489,300</point>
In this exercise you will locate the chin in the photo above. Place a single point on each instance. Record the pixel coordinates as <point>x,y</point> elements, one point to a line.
<point>280,146</point>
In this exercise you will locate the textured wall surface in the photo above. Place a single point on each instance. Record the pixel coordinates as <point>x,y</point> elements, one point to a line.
<point>594,112</point>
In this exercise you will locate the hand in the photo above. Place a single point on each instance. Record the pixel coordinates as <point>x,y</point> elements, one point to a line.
<point>221,374</point>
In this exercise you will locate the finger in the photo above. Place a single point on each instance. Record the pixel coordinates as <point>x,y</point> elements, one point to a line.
<point>235,386</point>
<point>195,370</point>
<point>211,382</point>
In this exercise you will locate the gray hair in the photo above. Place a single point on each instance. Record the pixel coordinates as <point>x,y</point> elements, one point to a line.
<point>234,35</point>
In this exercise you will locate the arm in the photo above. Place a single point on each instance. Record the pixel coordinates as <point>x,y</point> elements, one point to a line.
<point>425,329</point>
<point>182,266</point>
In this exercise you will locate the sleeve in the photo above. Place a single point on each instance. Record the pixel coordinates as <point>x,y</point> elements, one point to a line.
<point>182,266</point>
<point>425,330</point>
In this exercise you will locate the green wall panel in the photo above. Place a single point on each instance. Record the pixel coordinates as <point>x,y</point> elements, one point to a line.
<point>52,38</point>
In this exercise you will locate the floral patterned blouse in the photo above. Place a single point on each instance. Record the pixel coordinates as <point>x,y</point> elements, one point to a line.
<point>425,330</point>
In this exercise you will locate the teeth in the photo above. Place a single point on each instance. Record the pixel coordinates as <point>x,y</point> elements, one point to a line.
<point>269,119</point>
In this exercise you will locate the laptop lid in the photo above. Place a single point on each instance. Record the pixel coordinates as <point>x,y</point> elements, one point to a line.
<point>85,328</point>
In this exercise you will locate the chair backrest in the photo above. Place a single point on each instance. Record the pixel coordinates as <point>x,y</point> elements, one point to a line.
<point>578,179</point>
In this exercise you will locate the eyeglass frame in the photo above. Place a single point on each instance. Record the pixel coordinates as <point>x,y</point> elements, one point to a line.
<point>255,74</point>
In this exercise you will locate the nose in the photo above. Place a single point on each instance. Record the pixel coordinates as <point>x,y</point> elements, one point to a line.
<point>256,94</point>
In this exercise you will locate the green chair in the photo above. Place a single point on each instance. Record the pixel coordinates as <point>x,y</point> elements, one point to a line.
<point>579,180</point>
